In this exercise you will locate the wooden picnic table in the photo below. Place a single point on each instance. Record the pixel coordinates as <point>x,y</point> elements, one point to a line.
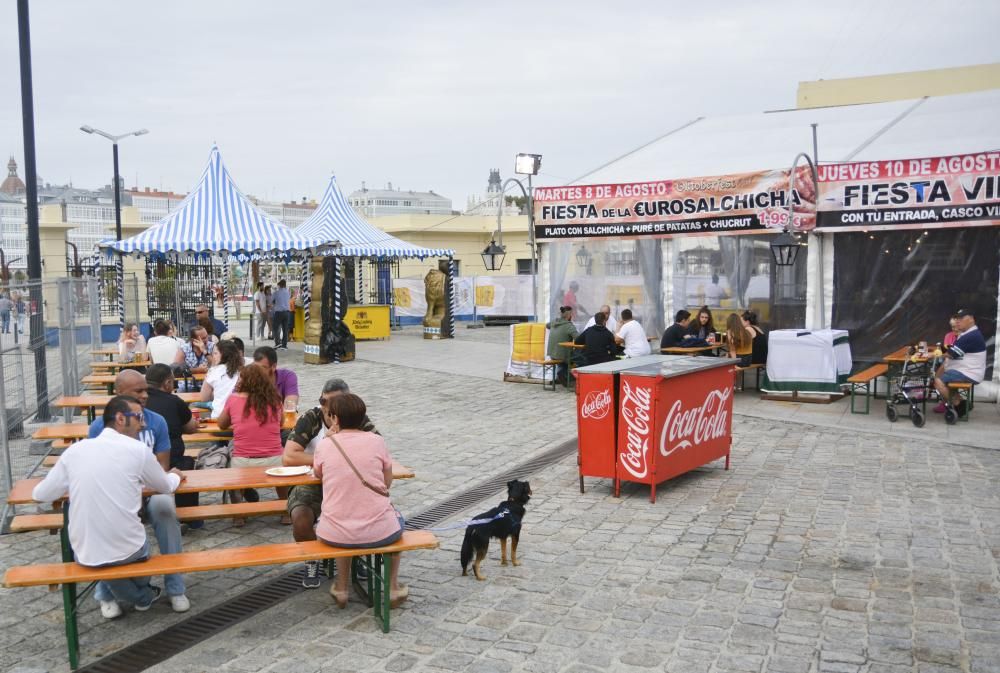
<point>112,353</point>
<point>224,479</point>
<point>101,366</point>
<point>901,355</point>
<point>109,380</point>
<point>91,403</point>
<point>690,350</point>
<point>571,344</point>
<point>75,431</point>
<point>101,401</point>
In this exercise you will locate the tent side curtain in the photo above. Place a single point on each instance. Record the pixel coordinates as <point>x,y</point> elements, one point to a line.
<point>216,217</point>
<point>335,220</point>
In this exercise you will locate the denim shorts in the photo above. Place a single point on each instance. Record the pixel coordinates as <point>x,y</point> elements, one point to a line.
<point>954,376</point>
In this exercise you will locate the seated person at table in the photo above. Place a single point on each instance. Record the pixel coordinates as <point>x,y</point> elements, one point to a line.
<point>285,380</point>
<point>632,336</point>
<point>195,355</point>
<point>739,340</point>
<point>561,330</point>
<point>609,320</point>
<point>598,343</point>
<point>221,378</point>
<point>161,511</point>
<point>207,325</point>
<point>758,354</point>
<point>163,348</point>
<point>964,362</point>
<point>356,513</point>
<point>105,476</point>
<point>952,336</point>
<point>305,502</point>
<point>702,325</point>
<point>675,335</point>
<point>253,411</point>
<point>201,311</point>
<point>131,343</point>
<point>179,420</point>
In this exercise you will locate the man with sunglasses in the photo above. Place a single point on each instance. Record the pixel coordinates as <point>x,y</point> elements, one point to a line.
<point>305,502</point>
<point>160,510</point>
<point>201,311</point>
<point>104,477</point>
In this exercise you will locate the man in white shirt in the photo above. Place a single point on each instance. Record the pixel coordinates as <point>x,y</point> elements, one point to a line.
<point>632,336</point>
<point>104,478</point>
<point>611,323</point>
<point>162,348</point>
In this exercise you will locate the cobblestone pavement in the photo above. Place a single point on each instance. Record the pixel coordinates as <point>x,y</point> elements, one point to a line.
<point>821,550</point>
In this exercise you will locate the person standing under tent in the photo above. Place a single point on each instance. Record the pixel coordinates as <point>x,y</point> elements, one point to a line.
<point>260,309</point>
<point>282,306</point>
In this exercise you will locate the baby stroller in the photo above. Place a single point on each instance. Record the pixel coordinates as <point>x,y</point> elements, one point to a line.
<point>912,388</point>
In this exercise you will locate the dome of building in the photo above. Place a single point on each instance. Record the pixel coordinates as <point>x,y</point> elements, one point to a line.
<point>13,184</point>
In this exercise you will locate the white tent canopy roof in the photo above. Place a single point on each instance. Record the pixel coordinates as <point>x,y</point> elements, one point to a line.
<point>217,218</point>
<point>926,127</point>
<point>335,220</point>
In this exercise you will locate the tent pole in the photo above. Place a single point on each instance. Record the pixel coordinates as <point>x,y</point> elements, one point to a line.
<point>336,299</point>
<point>225,291</point>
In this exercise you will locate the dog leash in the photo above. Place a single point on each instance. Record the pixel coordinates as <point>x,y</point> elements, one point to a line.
<point>470,522</point>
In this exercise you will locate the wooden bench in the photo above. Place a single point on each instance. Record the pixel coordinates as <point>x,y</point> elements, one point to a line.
<point>967,391</point>
<point>24,523</point>
<point>548,366</point>
<point>867,381</point>
<point>377,560</point>
<point>743,370</point>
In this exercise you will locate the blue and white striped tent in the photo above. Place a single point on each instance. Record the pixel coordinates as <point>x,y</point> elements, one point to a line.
<point>217,218</point>
<point>335,220</point>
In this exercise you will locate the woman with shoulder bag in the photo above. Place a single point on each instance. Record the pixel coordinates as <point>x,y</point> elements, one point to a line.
<point>356,471</point>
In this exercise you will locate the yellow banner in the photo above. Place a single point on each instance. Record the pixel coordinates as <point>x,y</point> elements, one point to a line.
<point>368,322</point>
<point>485,295</point>
<point>402,297</point>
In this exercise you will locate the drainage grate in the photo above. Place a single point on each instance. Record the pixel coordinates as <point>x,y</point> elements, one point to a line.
<point>175,639</point>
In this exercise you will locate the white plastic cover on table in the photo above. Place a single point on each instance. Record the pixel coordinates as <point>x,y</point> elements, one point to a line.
<point>807,361</point>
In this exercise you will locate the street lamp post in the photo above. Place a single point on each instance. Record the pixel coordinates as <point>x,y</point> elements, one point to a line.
<point>119,268</point>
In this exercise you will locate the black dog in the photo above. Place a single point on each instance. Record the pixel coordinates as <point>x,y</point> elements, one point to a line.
<point>505,522</point>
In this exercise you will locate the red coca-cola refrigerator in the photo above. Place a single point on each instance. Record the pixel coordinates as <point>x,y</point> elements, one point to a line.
<point>652,418</point>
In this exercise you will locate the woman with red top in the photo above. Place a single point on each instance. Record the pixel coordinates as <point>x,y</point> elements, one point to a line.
<point>253,411</point>
<point>952,335</point>
<point>356,470</point>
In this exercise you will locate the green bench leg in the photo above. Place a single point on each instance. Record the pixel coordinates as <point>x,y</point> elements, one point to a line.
<point>72,632</point>
<point>856,388</point>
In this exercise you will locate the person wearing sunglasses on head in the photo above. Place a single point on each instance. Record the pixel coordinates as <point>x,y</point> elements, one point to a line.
<point>104,477</point>
<point>159,510</point>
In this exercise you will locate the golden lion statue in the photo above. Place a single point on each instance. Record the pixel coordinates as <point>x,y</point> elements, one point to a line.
<point>434,293</point>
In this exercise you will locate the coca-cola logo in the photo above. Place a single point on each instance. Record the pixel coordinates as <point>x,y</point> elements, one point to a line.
<point>636,403</point>
<point>686,427</point>
<point>596,404</point>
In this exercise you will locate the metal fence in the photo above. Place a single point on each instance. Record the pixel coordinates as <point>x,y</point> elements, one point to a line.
<point>62,325</point>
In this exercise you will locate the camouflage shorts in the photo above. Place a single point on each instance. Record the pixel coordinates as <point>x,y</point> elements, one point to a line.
<point>307,495</point>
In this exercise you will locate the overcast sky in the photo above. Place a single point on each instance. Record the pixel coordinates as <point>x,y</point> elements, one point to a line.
<point>431,95</point>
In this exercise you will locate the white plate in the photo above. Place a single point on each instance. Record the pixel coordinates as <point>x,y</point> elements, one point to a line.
<point>287,471</point>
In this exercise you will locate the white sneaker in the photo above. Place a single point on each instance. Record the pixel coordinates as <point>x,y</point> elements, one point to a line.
<point>180,603</point>
<point>110,609</point>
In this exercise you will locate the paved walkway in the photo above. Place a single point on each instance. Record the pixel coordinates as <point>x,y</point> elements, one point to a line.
<point>835,544</point>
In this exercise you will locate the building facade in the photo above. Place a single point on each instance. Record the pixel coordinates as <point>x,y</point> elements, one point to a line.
<point>371,203</point>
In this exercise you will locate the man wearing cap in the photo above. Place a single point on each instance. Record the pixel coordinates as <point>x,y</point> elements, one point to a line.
<point>561,330</point>
<point>964,361</point>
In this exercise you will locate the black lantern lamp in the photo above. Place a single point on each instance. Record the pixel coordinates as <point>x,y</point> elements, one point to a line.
<point>493,255</point>
<point>584,259</point>
<point>784,248</point>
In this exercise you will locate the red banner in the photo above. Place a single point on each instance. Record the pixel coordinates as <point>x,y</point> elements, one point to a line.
<point>930,193</point>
